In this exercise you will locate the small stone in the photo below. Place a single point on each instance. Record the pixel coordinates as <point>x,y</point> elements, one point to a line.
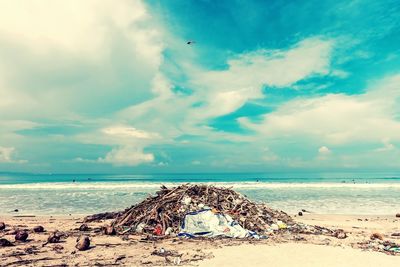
<point>16,210</point>
<point>396,234</point>
<point>300,213</point>
<point>21,236</point>
<point>2,226</point>
<point>54,238</point>
<point>84,227</point>
<point>109,230</point>
<point>38,229</point>
<point>83,243</point>
<point>376,236</point>
<point>5,243</point>
<point>398,215</point>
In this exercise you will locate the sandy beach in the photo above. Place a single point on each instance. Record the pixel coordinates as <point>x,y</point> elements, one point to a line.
<point>136,250</point>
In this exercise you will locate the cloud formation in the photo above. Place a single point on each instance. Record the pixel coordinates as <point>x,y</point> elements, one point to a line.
<point>128,156</point>
<point>338,118</point>
<point>96,84</point>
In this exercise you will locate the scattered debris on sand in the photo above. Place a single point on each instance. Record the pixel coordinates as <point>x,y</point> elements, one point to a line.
<point>386,247</point>
<point>101,216</point>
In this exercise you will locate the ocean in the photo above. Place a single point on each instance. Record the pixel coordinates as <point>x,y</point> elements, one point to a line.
<point>78,194</point>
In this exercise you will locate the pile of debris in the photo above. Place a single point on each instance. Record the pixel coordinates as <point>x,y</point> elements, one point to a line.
<point>205,207</point>
<point>165,212</point>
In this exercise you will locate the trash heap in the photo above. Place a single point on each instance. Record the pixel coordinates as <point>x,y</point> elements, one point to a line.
<point>164,213</point>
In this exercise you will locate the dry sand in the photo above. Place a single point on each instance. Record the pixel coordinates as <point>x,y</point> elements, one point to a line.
<point>299,250</point>
<point>297,255</point>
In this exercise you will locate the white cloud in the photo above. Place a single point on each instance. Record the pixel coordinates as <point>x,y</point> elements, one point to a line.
<point>128,145</point>
<point>216,93</point>
<point>127,156</point>
<point>7,155</point>
<point>224,91</point>
<point>126,131</point>
<point>272,67</point>
<point>323,153</point>
<point>337,118</point>
<point>69,61</point>
<point>78,26</point>
<point>323,150</point>
<point>60,58</point>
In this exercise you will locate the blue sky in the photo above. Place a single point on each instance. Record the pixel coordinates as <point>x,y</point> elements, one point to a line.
<point>105,86</point>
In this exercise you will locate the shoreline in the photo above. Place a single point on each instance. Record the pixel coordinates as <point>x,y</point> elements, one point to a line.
<point>94,197</point>
<point>156,184</point>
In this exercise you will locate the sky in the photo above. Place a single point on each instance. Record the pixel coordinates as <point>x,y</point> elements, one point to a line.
<point>113,87</point>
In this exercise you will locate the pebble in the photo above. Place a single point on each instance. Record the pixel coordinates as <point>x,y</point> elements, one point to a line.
<point>21,236</point>
<point>83,243</point>
<point>54,238</point>
<point>398,215</point>
<point>38,229</point>
<point>5,243</point>
<point>2,226</point>
<point>300,213</point>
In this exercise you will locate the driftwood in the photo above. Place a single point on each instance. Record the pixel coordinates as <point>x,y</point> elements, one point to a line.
<point>102,216</point>
<point>164,212</point>
<point>31,261</point>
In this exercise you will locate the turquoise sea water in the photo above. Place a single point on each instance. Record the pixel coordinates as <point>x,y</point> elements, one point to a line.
<point>340,193</point>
